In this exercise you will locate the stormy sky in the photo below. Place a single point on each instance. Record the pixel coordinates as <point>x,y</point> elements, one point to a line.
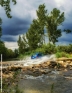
<point>24,12</point>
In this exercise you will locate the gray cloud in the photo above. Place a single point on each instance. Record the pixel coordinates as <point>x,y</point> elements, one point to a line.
<point>66,38</point>
<point>9,38</point>
<point>15,26</point>
<point>25,11</point>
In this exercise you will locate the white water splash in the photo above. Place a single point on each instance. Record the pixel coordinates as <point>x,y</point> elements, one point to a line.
<point>42,77</point>
<point>28,61</point>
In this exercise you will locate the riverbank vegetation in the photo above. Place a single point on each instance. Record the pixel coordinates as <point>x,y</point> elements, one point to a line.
<point>59,51</point>
<point>10,82</point>
<point>47,25</point>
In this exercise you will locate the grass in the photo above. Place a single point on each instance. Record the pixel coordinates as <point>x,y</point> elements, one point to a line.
<point>10,85</point>
<point>63,54</point>
<point>58,55</point>
<point>52,88</point>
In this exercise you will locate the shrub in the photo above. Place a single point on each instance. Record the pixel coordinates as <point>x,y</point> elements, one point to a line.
<point>41,50</point>
<point>64,48</point>
<point>49,48</point>
<point>62,54</point>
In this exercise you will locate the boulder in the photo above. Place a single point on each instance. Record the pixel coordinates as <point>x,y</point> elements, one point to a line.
<point>52,64</point>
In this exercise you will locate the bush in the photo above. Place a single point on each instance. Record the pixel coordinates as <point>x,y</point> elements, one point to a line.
<point>64,48</point>
<point>41,50</point>
<point>17,90</point>
<point>49,48</point>
<point>62,54</point>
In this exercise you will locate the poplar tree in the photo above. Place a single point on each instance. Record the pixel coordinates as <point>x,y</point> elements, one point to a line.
<point>34,35</point>
<point>53,21</point>
<point>41,14</point>
<point>22,44</point>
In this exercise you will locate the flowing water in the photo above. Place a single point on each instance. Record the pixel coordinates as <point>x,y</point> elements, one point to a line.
<point>28,61</point>
<point>54,82</point>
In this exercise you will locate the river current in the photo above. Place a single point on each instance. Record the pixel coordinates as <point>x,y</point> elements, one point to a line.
<point>54,82</point>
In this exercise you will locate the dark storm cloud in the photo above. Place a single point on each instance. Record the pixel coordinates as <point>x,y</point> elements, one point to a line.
<point>66,38</point>
<point>8,39</point>
<point>68,26</point>
<point>24,12</point>
<point>15,26</point>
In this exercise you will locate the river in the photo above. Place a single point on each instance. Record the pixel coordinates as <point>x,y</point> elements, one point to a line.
<point>56,81</point>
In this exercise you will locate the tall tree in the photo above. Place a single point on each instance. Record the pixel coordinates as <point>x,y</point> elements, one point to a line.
<point>6,5</point>
<point>41,14</point>
<point>21,44</point>
<point>53,20</point>
<point>3,50</point>
<point>34,35</point>
<point>16,53</point>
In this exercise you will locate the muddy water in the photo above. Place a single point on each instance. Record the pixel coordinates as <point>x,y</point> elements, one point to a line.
<point>56,81</point>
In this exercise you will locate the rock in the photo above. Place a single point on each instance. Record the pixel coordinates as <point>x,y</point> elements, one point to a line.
<point>70,68</point>
<point>70,64</point>
<point>68,77</point>
<point>48,63</point>
<point>68,61</point>
<point>45,71</point>
<point>65,70</point>
<point>65,65</point>
<point>44,65</point>
<point>37,73</point>
<point>53,64</point>
<point>61,62</point>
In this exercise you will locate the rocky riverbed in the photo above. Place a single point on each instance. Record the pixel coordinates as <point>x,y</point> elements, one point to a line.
<point>46,77</point>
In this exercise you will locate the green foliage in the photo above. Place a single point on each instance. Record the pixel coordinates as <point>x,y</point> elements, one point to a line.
<point>54,19</point>
<point>3,50</point>
<point>64,48</point>
<point>41,14</point>
<point>33,35</point>
<point>10,85</point>
<point>16,53</point>
<point>62,54</point>
<point>17,90</point>
<point>7,53</point>
<point>21,56</point>
<point>22,44</point>
<point>60,51</point>
<point>6,5</point>
<point>69,49</point>
<point>49,48</point>
<point>67,31</point>
<point>15,74</point>
<point>52,88</point>
<point>41,50</point>
<point>10,53</point>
